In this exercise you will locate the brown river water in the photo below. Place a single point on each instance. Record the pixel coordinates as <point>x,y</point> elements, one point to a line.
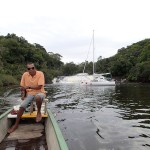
<point>96,118</point>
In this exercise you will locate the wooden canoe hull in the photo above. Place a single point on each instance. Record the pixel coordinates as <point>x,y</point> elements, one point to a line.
<point>5,123</point>
<point>54,137</point>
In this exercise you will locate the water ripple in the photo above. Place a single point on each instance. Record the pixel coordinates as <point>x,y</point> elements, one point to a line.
<point>98,117</point>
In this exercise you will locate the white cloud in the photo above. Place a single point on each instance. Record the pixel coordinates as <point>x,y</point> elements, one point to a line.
<point>65,27</point>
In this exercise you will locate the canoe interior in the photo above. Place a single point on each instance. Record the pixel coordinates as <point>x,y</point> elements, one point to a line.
<point>28,132</point>
<point>45,134</point>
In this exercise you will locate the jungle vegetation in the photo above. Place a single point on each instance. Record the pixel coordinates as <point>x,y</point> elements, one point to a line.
<point>132,62</point>
<point>16,51</point>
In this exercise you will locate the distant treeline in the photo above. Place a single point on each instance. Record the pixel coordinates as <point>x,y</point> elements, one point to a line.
<point>132,63</point>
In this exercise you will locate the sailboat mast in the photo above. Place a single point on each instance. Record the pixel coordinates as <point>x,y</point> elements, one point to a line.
<point>93,54</point>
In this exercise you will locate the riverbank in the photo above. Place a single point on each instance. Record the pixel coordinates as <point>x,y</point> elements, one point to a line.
<point>7,80</point>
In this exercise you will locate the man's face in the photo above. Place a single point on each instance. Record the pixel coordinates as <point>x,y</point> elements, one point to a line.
<point>31,69</point>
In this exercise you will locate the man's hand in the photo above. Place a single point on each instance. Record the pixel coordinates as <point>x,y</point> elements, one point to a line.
<point>25,88</point>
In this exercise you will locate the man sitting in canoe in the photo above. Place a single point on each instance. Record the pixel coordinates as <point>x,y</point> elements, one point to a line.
<point>32,83</point>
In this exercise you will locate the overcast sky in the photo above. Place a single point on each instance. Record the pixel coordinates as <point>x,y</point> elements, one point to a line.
<point>66,26</point>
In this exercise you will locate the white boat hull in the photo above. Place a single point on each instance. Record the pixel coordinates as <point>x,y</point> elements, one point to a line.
<point>90,83</point>
<point>85,79</point>
<point>103,83</point>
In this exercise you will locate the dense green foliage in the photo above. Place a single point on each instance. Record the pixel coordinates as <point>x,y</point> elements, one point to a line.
<point>132,63</point>
<point>15,52</point>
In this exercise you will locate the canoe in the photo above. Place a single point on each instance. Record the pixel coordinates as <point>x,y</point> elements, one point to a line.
<point>53,135</point>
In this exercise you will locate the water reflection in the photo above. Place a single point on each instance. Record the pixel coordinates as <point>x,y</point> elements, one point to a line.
<point>104,117</point>
<point>81,97</point>
<point>95,118</point>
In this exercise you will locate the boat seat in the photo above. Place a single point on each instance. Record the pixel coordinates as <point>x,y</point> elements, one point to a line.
<point>30,113</point>
<point>43,106</point>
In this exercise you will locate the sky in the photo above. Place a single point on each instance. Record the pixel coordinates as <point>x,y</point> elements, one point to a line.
<point>66,26</point>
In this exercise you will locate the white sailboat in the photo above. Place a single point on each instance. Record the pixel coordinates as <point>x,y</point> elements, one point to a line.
<point>99,79</point>
<point>85,78</point>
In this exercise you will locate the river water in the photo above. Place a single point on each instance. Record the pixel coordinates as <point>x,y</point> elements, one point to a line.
<point>97,118</point>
